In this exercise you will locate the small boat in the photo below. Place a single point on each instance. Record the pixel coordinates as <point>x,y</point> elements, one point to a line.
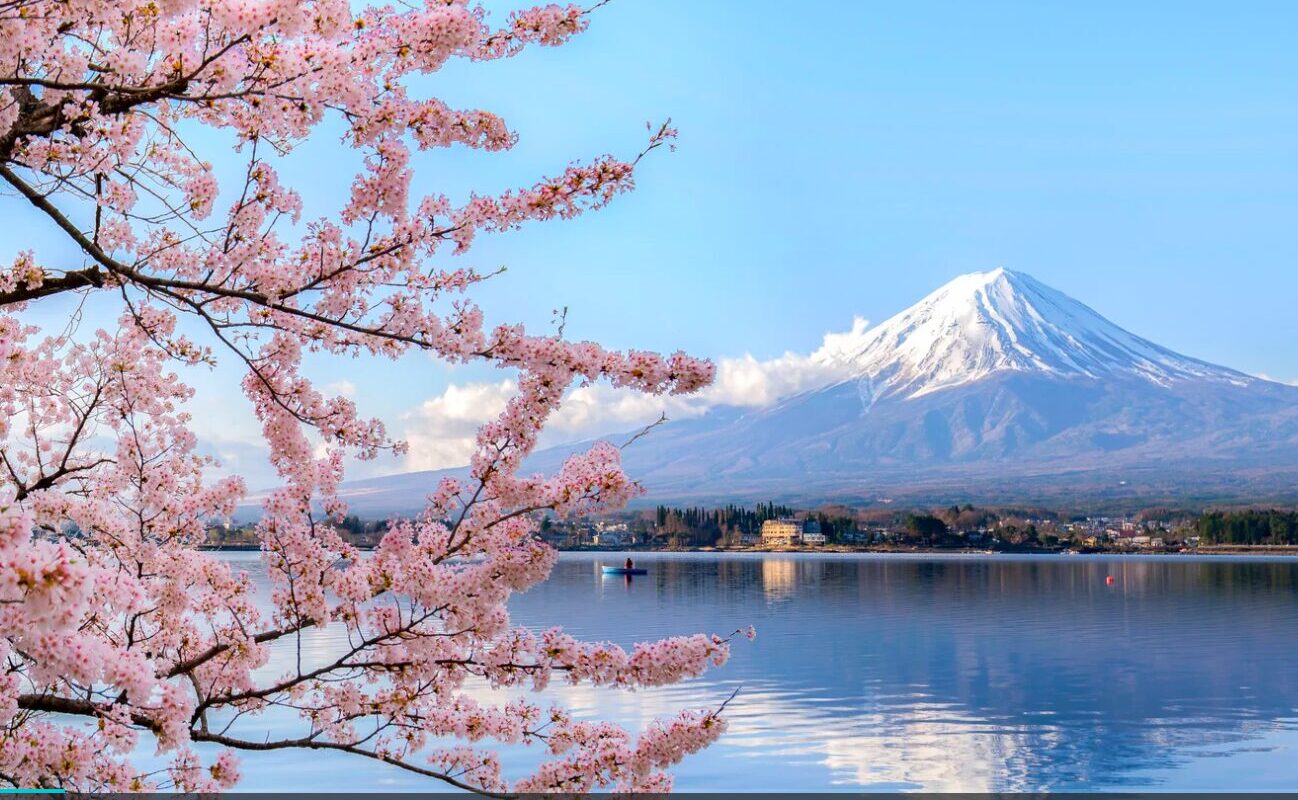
<point>625,571</point>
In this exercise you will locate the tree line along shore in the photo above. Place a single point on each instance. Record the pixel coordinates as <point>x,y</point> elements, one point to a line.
<point>844,529</point>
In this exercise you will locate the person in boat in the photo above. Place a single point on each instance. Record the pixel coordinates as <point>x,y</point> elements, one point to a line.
<point>629,563</point>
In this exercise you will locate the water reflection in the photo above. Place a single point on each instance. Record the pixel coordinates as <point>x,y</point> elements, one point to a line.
<point>778,577</point>
<point>962,673</point>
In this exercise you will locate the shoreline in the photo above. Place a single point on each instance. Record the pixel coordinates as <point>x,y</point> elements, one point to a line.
<point>1211,550</point>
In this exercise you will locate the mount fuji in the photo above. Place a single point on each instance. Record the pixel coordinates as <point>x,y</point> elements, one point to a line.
<point>1001,322</point>
<point>994,388</point>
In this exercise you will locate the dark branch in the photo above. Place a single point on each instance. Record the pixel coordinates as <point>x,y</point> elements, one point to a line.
<point>91,277</point>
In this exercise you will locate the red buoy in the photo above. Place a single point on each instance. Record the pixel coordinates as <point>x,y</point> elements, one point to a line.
<point>1109,580</point>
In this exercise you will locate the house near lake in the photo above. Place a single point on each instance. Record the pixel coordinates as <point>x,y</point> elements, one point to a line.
<point>789,532</point>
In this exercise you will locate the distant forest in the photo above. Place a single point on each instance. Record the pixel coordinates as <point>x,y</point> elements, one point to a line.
<point>707,526</point>
<point>1248,527</point>
<point>725,525</point>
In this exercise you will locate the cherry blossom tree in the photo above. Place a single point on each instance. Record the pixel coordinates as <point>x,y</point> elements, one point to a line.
<point>117,634</point>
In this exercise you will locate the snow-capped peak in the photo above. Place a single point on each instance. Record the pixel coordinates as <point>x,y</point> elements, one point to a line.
<point>1000,321</point>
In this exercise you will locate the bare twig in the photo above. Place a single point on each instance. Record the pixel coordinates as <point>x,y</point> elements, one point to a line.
<point>644,432</point>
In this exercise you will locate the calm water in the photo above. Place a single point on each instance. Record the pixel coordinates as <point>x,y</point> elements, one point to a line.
<point>933,673</point>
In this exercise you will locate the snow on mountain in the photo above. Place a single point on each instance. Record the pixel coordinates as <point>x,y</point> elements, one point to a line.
<point>984,323</point>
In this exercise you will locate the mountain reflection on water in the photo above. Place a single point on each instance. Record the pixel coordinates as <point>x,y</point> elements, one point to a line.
<point>937,673</point>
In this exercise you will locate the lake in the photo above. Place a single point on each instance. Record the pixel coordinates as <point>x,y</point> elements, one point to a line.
<point>931,673</point>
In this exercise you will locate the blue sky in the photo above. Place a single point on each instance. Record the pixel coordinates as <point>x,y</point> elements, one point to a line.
<point>845,158</point>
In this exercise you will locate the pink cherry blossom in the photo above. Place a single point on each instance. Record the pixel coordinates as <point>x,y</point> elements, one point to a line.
<point>115,629</point>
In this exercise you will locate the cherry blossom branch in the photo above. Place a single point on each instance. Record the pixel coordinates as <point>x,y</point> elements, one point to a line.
<point>316,744</point>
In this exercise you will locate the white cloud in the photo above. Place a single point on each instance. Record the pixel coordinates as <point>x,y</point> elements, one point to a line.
<point>440,431</point>
<point>344,387</point>
<point>842,347</point>
<point>748,382</point>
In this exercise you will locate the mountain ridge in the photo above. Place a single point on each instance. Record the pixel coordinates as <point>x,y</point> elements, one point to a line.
<point>993,381</point>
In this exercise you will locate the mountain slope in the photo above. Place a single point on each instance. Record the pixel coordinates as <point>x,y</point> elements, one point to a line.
<point>980,439</point>
<point>993,387</point>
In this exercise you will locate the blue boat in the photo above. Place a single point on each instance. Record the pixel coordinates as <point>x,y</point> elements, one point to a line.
<point>625,571</point>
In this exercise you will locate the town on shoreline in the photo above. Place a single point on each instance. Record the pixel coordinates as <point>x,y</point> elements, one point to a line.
<point>772,527</point>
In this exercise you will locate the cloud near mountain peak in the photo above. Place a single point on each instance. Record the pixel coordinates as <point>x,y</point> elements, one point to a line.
<point>441,429</point>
